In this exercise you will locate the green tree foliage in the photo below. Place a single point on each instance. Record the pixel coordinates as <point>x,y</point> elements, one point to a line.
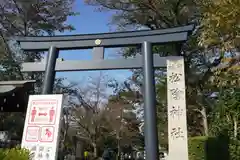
<point>227,111</point>
<point>29,18</point>
<point>25,17</point>
<point>220,23</point>
<point>13,124</point>
<point>14,153</point>
<point>153,14</point>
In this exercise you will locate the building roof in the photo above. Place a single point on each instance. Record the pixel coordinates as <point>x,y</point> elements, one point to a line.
<point>14,95</point>
<point>10,86</point>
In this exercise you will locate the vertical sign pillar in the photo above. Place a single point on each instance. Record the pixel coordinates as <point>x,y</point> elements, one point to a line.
<point>50,70</point>
<point>177,119</point>
<point>150,120</point>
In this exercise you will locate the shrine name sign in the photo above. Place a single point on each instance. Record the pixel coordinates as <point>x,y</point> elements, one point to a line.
<point>42,126</point>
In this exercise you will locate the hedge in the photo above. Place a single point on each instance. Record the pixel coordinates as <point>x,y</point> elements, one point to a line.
<point>14,154</point>
<point>234,149</point>
<point>213,148</point>
<point>196,148</point>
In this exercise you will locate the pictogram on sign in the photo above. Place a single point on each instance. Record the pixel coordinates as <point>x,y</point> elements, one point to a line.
<point>43,112</point>
<point>32,134</point>
<point>51,114</point>
<point>33,114</point>
<point>47,134</point>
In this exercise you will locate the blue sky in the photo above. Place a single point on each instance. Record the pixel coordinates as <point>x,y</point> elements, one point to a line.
<point>89,21</point>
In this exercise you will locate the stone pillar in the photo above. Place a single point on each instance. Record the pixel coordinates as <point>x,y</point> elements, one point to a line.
<point>177,119</point>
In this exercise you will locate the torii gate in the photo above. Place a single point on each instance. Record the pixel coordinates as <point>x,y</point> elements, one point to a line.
<point>147,62</point>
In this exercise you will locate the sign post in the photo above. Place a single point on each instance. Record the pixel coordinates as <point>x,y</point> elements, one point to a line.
<point>177,118</point>
<point>42,126</point>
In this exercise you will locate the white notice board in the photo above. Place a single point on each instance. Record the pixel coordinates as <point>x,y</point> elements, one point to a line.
<point>42,126</point>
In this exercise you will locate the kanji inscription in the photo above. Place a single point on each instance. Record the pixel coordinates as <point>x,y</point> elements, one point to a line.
<point>175,77</point>
<point>176,111</point>
<point>177,133</point>
<point>177,123</point>
<point>176,93</point>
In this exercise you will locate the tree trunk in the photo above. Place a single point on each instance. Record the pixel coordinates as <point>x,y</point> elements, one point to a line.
<point>204,120</point>
<point>62,146</point>
<point>119,148</point>
<point>95,150</point>
<point>235,126</point>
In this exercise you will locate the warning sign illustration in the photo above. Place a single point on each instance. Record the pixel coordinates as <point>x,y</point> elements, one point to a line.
<point>32,134</point>
<point>51,114</point>
<point>34,112</point>
<point>43,112</point>
<point>42,125</point>
<point>47,134</point>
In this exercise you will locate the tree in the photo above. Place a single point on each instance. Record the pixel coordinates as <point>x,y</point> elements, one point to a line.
<point>101,121</point>
<point>91,127</point>
<point>150,13</point>
<point>25,17</point>
<point>226,112</point>
<point>155,14</point>
<point>124,121</point>
<point>88,112</point>
<point>13,124</point>
<point>66,134</point>
<point>220,24</point>
<point>29,18</point>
